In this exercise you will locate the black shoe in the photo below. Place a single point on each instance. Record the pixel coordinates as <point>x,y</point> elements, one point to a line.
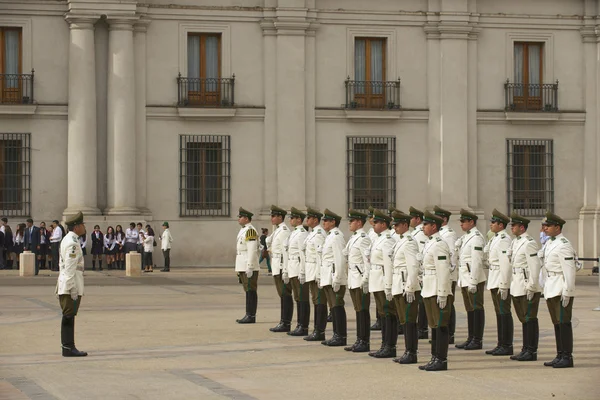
<point>556,359</point>
<point>407,358</point>
<point>248,319</point>
<point>362,347</point>
<point>492,351</point>
<point>280,327</point>
<point>327,341</point>
<point>566,338</point>
<point>475,344</point>
<point>463,344</point>
<point>299,331</point>
<point>73,352</point>
<point>351,348</point>
<point>386,352</point>
<point>528,356</point>
<point>438,365</point>
<point>316,336</point>
<point>165,270</point>
<point>423,367</point>
<point>504,351</point>
<point>337,341</point>
<point>565,362</point>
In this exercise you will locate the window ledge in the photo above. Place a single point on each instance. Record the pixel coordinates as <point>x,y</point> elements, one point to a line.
<point>372,115</point>
<point>206,113</point>
<point>529,117</point>
<point>17,109</point>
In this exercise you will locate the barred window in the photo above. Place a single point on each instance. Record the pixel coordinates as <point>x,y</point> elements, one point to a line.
<point>15,174</point>
<point>530,176</point>
<point>204,175</point>
<point>371,172</point>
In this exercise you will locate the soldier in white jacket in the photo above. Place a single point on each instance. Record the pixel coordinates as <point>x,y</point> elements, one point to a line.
<point>559,289</point>
<point>373,236</point>
<point>246,263</point>
<point>69,287</point>
<point>334,277</point>
<point>498,282</point>
<point>165,245</point>
<point>276,243</point>
<point>449,236</point>
<point>292,270</point>
<point>416,223</point>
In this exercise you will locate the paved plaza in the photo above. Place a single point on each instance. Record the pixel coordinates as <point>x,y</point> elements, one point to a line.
<point>174,336</point>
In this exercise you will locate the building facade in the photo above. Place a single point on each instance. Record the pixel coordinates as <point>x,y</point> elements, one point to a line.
<point>185,110</point>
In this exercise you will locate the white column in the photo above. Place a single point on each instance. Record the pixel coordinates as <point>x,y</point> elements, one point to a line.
<point>311,135</point>
<point>81,142</point>
<point>139,39</point>
<point>121,119</point>
<point>270,125</point>
<point>472,79</point>
<point>433,100</point>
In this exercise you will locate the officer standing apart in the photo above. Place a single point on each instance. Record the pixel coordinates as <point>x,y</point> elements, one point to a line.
<point>524,287</point>
<point>559,289</point>
<point>357,252</point>
<point>436,292</point>
<point>69,287</point>
<point>416,222</point>
<point>449,236</point>
<point>246,264</point>
<point>406,287</point>
<point>334,276</point>
<point>380,284</point>
<point>312,271</point>
<point>291,272</point>
<point>499,283</point>
<point>276,244</point>
<point>472,279</point>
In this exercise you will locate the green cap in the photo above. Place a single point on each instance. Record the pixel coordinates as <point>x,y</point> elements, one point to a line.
<point>497,216</point>
<point>399,217</point>
<point>413,212</point>
<point>330,215</point>
<point>466,215</point>
<point>278,211</point>
<point>519,219</point>
<point>353,214</point>
<point>441,212</point>
<point>432,218</point>
<point>75,219</point>
<point>242,213</point>
<point>294,212</point>
<point>313,212</point>
<point>391,210</point>
<point>371,210</point>
<point>379,216</point>
<point>165,224</point>
<point>553,219</point>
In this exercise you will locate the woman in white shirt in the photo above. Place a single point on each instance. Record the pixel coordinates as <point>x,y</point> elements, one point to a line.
<point>109,246</point>
<point>120,247</point>
<point>148,242</point>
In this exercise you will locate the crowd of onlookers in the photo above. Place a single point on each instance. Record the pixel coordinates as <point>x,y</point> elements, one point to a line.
<point>111,246</point>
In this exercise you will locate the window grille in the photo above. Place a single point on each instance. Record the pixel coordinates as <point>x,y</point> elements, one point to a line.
<point>15,174</point>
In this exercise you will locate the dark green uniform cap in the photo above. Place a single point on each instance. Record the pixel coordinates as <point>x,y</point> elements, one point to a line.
<point>75,219</point>
<point>244,213</point>
<point>553,219</point>
<point>391,210</point>
<point>353,214</point>
<point>441,212</point>
<point>294,212</point>
<point>466,215</point>
<point>330,215</point>
<point>371,211</point>
<point>379,216</point>
<point>278,211</point>
<point>399,217</point>
<point>432,218</point>
<point>519,219</point>
<point>413,212</point>
<point>313,212</point>
<point>497,216</point>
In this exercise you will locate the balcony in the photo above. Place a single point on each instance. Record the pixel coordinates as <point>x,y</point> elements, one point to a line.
<point>205,92</point>
<point>16,88</point>
<point>372,95</point>
<point>521,97</point>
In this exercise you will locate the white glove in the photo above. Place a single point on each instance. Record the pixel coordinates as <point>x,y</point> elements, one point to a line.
<point>565,301</point>
<point>503,294</point>
<point>249,273</point>
<point>530,295</point>
<point>410,296</point>
<point>318,280</point>
<point>388,294</point>
<point>365,287</point>
<point>74,295</point>
<point>472,289</point>
<point>302,278</point>
<point>442,300</point>
<point>336,286</point>
<point>285,277</point>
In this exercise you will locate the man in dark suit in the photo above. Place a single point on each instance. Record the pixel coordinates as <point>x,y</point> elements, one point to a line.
<point>32,240</point>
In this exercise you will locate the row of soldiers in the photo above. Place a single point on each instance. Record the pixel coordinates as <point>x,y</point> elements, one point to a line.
<point>412,264</point>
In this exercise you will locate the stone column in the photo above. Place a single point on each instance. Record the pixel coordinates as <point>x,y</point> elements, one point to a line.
<point>121,119</point>
<point>139,40</point>
<point>81,141</point>
<point>311,134</point>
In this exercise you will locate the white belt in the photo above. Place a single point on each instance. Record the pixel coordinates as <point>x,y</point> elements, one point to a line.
<point>494,268</point>
<point>376,267</point>
<point>430,272</point>
<point>517,269</point>
<point>311,261</point>
<point>554,273</point>
<point>400,271</point>
<point>239,253</point>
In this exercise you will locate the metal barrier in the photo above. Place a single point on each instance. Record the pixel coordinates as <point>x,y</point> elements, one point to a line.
<point>594,270</point>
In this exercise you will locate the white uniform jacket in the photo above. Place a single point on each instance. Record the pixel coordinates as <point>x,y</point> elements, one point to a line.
<point>380,269</point>
<point>166,240</point>
<point>333,262</point>
<point>246,249</point>
<point>357,250</point>
<point>500,269</point>
<point>295,262</point>
<point>419,236</point>
<point>70,277</point>
<point>372,235</point>
<point>436,268</point>
<point>276,244</point>
<point>312,247</point>
<point>471,258</point>
<point>559,261</point>
<point>405,265</point>
<point>449,236</point>
<point>525,266</point>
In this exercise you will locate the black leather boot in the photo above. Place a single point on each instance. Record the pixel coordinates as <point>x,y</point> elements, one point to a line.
<point>470,320</point>
<point>506,346</point>
<point>478,326</point>
<point>452,325</point>
<point>358,332</point>
<point>377,325</point>
<point>299,316</point>
<point>422,322</point>
<point>252,304</point>
<point>400,328</point>
<point>67,336</point>
<point>342,328</point>
<point>246,317</point>
<point>433,350</point>
<point>303,317</point>
<point>499,332</point>
<point>559,350</point>
<point>524,347</point>
<point>334,322</point>
<point>286,315</point>
<point>391,338</point>
<point>411,341</point>
<point>318,333</point>
<point>441,360</point>
<point>533,335</point>
<point>365,336</point>
<point>383,330</point>
<point>566,337</point>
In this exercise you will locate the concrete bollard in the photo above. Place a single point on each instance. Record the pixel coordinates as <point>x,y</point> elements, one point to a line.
<point>133,264</point>
<point>27,261</point>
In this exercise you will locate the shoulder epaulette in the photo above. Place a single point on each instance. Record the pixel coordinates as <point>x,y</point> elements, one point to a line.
<point>502,236</point>
<point>363,234</point>
<point>284,228</point>
<point>437,239</point>
<point>564,240</point>
<point>388,236</point>
<point>337,232</point>
<point>530,239</point>
<point>409,237</point>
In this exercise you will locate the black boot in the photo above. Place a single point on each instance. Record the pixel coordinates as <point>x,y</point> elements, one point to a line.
<point>377,325</point>
<point>470,318</point>
<point>67,336</point>
<point>334,322</point>
<point>318,333</point>
<point>303,318</point>
<point>524,347</point>
<point>280,327</point>
<point>383,330</point>
<point>299,316</point>
<point>566,337</point>
<point>251,303</point>
<point>365,337</point>
<point>499,331</point>
<point>441,360</point>
<point>452,325</point>
<point>329,317</point>
<point>422,322</point>
<point>342,328</point>
<point>433,350</point>
<point>358,332</point>
<point>506,346</point>
<point>559,350</point>
<point>391,338</point>
<point>478,325</point>
<point>245,317</point>
<point>533,335</point>
<point>411,342</point>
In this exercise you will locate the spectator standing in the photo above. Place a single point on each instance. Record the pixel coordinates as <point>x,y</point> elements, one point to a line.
<point>166,242</point>
<point>8,246</point>
<point>97,246</point>
<point>109,246</point>
<point>32,240</point>
<point>131,238</point>
<point>148,241</point>
<point>44,243</point>
<point>3,225</point>
<point>19,242</point>
<point>55,238</point>
<point>120,247</point>
<point>2,251</point>
<point>264,251</point>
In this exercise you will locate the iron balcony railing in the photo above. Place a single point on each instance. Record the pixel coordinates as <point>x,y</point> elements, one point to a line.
<point>16,88</point>
<point>378,95</point>
<point>205,92</point>
<point>531,97</point>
